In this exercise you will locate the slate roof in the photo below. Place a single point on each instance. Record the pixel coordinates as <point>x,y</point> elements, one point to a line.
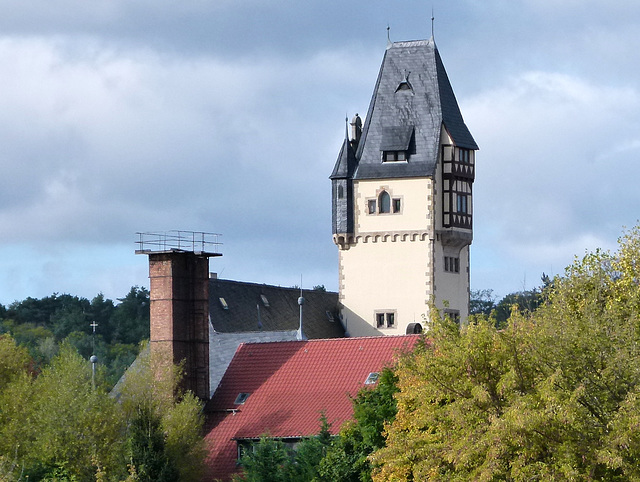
<point>282,313</point>
<point>425,104</point>
<point>290,384</point>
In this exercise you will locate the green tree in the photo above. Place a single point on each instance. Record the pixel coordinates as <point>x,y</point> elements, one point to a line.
<point>130,320</point>
<point>271,460</point>
<point>150,393</point>
<point>482,302</point>
<point>552,396</point>
<point>347,457</point>
<point>56,423</point>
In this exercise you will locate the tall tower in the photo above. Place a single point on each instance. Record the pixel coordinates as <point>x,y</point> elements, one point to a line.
<point>402,199</point>
<point>179,302</point>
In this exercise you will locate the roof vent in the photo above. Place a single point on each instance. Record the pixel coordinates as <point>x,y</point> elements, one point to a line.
<point>404,83</point>
<point>265,301</point>
<point>372,378</point>
<point>241,398</point>
<point>330,316</point>
<point>223,303</point>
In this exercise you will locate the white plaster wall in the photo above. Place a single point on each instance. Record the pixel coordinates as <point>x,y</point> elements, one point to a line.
<point>452,289</point>
<point>386,276</point>
<point>415,214</point>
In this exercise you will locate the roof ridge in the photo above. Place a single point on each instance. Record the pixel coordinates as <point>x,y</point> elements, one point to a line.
<point>336,340</point>
<point>253,283</point>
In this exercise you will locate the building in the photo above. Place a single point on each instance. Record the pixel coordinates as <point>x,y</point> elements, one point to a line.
<point>281,389</point>
<point>402,199</point>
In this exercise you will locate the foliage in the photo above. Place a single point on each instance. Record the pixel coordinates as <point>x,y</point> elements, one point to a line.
<point>347,457</point>
<point>271,460</point>
<point>42,325</point>
<point>150,393</point>
<point>146,448</point>
<point>54,426</point>
<point>482,302</point>
<point>14,360</point>
<point>552,396</point>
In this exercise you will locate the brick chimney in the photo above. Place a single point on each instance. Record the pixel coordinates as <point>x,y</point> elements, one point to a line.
<point>179,294</point>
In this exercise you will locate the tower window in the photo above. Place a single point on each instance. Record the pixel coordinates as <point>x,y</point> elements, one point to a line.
<point>385,202</point>
<point>340,192</point>
<point>385,319</point>
<point>462,203</point>
<point>453,315</point>
<point>464,156</point>
<point>451,264</point>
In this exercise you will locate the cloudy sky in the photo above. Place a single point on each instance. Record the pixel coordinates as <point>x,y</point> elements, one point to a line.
<point>226,116</point>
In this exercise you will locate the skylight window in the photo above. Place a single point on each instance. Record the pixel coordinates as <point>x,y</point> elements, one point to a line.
<point>223,303</point>
<point>265,301</point>
<point>241,398</point>
<point>372,378</point>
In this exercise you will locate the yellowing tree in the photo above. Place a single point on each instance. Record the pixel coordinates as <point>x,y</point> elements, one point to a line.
<point>553,396</point>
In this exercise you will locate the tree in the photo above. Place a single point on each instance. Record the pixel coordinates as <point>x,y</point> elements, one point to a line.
<point>150,394</point>
<point>55,423</point>
<point>482,301</point>
<point>347,459</point>
<point>552,396</point>
<point>130,320</point>
<point>270,460</point>
<point>55,426</point>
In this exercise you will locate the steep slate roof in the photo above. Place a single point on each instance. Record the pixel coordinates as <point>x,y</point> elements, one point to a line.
<point>428,104</point>
<point>290,384</point>
<point>282,314</point>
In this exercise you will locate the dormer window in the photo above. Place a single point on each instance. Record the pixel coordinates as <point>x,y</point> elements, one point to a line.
<point>396,143</point>
<point>394,156</point>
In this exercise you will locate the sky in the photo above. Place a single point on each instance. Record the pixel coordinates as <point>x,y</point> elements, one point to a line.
<point>226,116</point>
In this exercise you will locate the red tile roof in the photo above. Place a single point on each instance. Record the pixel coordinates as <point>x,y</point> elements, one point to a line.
<point>290,384</point>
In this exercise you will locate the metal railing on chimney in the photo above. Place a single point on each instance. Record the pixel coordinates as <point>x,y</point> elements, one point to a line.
<point>178,241</point>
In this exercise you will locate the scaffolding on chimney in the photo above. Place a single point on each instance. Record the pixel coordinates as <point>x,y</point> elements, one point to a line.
<point>197,242</point>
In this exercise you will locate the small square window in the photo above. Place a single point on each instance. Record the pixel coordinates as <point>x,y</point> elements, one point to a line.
<point>452,264</point>
<point>390,320</point>
<point>396,205</point>
<point>380,319</point>
<point>371,205</point>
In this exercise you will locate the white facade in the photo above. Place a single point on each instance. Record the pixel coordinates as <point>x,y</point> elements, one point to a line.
<point>402,200</point>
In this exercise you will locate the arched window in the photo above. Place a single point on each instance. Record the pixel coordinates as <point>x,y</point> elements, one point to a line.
<point>340,192</point>
<point>384,201</point>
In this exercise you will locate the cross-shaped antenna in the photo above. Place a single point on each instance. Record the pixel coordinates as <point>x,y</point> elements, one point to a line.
<point>93,325</point>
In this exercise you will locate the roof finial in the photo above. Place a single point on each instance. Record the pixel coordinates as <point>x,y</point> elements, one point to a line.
<point>388,35</point>
<point>346,137</point>
<point>432,19</point>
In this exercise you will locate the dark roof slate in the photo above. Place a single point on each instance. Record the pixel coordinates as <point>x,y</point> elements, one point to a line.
<point>281,314</point>
<point>426,106</point>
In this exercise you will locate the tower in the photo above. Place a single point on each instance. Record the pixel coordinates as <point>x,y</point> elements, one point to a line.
<point>402,199</point>
<point>179,302</point>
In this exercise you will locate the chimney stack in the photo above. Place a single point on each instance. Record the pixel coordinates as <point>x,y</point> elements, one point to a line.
<point>179,294</point>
